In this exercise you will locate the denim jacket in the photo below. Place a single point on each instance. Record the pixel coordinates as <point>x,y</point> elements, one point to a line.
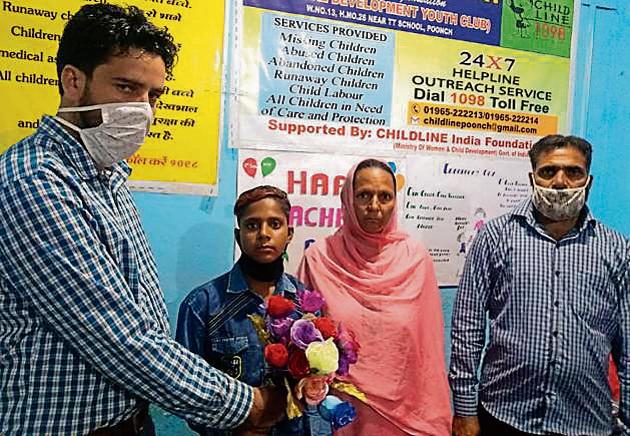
<point>213,323</point>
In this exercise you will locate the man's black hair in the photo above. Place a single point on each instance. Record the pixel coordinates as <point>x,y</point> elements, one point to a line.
<point>553,142</point>
<point>97,32</point>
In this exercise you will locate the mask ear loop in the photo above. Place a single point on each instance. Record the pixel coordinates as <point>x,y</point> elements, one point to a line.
<point>94,107</point>
<point>579,192</point>
<point>82,108</point>
<point>68,124</point>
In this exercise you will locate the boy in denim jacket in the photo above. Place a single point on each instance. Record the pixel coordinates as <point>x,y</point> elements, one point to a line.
<point>213,319</point>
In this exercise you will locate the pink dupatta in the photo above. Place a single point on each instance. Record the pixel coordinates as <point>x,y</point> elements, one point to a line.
<point>383,288</point>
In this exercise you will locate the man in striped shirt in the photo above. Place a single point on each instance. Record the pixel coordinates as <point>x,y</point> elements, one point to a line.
<point>84,336</point>
<point>554,283</point>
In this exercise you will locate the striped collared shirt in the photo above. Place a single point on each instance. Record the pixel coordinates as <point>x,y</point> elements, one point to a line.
<point>84,336</point>
<point>556,309</point>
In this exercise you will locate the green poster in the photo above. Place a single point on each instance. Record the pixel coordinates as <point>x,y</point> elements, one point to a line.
<point>542,26</point>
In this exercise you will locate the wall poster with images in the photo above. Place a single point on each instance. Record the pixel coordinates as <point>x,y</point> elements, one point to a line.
<point>181,152</point>
<point>458,90</point>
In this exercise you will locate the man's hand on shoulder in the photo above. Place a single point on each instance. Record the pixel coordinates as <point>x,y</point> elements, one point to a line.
<point>269,407</point>
<point>466,426</point>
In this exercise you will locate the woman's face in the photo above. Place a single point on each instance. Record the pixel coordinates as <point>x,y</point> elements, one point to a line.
<point>374,198</point>
<point>264,232</point>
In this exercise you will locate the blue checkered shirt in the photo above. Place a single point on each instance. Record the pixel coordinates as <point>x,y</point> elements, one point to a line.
<point>84,336</point>
<point>556,309</point>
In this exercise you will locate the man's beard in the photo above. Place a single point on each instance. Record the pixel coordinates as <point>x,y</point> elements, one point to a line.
<point>89,118</point>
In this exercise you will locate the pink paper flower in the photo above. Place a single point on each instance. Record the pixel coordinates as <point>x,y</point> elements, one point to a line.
<point>313,389</point>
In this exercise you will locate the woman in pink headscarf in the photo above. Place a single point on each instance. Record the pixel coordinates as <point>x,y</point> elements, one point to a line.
<point>381,285</point>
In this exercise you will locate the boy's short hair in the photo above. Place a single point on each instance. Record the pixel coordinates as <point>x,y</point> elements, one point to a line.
<point>258,193</point>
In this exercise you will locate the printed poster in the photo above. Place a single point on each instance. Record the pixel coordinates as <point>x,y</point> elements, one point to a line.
<point>456,91</point>
<point>449,199</point>
<point>442,202</point>
<point>355,76</point>
<point>313,183</point>
<point>182,151</point>
<point>543,26</point>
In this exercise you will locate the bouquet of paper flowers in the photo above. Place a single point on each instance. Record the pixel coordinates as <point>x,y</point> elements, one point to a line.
<point>309,352</point>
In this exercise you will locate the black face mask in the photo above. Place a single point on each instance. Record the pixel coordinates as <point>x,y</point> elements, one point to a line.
<point>263,272</point>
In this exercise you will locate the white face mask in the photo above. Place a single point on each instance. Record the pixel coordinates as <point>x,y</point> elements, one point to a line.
<point>120,135</point>
<point>559,204</point>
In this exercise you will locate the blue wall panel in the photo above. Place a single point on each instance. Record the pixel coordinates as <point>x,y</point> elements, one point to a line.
<point>603,104</point>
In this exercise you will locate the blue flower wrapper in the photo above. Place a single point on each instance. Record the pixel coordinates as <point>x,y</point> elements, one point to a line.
<point>339,413</point>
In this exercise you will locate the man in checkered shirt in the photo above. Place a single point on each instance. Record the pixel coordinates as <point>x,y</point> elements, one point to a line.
<point>84,335</point>
<point>554,283</point>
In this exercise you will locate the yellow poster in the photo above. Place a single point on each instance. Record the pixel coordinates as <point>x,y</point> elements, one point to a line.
<point>181,153</point>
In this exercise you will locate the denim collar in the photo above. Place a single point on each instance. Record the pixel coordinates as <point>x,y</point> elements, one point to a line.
<point>237,283</point>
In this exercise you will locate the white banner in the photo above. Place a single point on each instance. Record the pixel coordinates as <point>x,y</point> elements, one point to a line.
<point>313,183</point>
<point>449,199</point>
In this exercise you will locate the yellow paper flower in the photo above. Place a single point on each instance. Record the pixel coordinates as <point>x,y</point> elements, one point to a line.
<point>323,357</point>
